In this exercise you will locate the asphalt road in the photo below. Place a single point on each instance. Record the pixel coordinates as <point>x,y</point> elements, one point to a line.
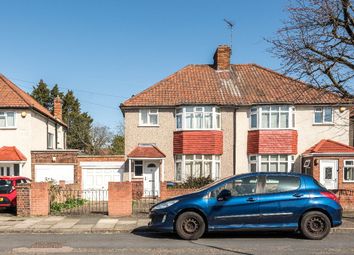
<point>152,243</point>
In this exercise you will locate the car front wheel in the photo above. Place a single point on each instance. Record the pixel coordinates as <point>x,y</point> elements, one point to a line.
<point>315,225</point>
<point>190,226</point>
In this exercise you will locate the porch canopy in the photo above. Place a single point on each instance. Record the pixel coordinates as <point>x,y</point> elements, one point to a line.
<point>329,147</point>
<point>11,160</point>
<point>147,152</point>
<point>11,154</point>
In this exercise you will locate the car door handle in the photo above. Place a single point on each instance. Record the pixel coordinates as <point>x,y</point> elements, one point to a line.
<point>298,195</point>
<point>251,199</point>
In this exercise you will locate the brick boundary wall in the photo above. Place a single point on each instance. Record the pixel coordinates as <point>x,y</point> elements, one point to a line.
<point>346,199</point>
<point>166,192</point>
<point>137,189</point>
<point>120,199</point>
<point>33,199</point>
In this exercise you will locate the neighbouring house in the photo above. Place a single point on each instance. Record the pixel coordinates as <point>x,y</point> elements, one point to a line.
<point>222,119</point>
<point>25,126</point>
<point>33,144</point>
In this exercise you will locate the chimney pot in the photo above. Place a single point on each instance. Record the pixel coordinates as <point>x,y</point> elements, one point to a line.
<point>58,108</point>
<point>222,57</point>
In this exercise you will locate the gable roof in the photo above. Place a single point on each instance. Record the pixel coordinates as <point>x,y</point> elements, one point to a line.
<point>146,151</point>
<point>11,153</point>
<point>243,84</point>
<point>14,97</point>
<point>330,146</point>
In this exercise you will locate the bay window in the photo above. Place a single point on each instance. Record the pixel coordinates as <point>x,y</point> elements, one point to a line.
<point>198,117</point>
<point>271,163</point>
<point>148,117</point>
<point>197,166</point>
<point>323,115</point>
<point>7,119</point>
<point>272,117</point>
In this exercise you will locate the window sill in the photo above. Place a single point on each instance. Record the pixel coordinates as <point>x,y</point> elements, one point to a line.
<point>8,128</point>
<point>209,129</point>
<point>137,177</point>
<point>323,124</point>
<point>348,181</point>
<point>148,125</point>
<point>251,129</point>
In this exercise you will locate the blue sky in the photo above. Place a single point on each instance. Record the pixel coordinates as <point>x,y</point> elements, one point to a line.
<point>108,50</point>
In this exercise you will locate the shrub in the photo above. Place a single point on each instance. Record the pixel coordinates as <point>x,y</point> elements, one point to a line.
<point>194,183</point>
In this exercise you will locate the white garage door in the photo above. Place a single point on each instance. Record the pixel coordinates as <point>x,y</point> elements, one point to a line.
<point>97,179</point>
<point>54,172</point>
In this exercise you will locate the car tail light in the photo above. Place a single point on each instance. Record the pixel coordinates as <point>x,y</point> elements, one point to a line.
<point>330,195</point>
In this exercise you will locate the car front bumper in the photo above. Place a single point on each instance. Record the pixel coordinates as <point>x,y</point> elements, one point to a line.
<point>161,221</point>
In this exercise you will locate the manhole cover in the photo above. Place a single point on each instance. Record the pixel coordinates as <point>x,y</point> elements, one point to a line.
<point>46,245</point>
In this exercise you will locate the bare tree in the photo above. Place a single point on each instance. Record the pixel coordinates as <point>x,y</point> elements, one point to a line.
<point>316,43</point>
<point>101,138</point>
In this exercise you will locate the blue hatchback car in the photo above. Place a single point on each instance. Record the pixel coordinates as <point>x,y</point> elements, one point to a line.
<point>254,201</point>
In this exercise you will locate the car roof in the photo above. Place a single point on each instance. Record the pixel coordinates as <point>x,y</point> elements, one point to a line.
<point>272,173</point>
<point>13,178</point>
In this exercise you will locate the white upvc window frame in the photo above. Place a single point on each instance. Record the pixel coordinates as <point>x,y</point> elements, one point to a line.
<point>5,115</point>
<point>346,165</point>
<point>150,112</point>
<point>321,109</point>
<point>256,159</point>
<point>50,140</point>
<point>182,160</point>
<point>260,109</point>
<point>181,114</point>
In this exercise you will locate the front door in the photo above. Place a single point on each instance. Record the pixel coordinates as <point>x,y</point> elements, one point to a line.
<point>151,179</point>
<point>329,173</point>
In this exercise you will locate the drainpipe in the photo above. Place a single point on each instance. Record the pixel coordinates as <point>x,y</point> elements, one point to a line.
<point>234,140</point>
<point>47,132</point>
<point>56,136</point>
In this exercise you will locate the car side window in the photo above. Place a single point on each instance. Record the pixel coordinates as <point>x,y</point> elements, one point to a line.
<point>239,187</point>
<point>275,184</point>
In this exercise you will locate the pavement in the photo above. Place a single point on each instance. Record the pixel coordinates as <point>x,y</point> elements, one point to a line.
<point>99,224</point>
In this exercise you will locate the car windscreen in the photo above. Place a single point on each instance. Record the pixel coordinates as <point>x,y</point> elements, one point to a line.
<point>5,186</point>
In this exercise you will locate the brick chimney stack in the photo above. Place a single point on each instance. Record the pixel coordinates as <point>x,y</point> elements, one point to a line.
<point>222,57</point>
<point>58,108</point>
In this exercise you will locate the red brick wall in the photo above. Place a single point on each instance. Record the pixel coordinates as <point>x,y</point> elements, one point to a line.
<point>23,200</point>
<point>166,193</point>
<point>137,189</point>
<point>198,142</point>
<point>120,199</point>
<point>33,199</point>
<point>272,142</point>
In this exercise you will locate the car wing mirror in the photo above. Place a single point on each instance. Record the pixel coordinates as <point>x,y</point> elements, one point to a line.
<point>225,194</point>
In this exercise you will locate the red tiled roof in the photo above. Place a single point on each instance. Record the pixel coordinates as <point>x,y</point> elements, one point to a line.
<point>330,146</point>
<point>14,97</point>
<point>11,153</point>
<point>146,151</point>
<point>243,84</point>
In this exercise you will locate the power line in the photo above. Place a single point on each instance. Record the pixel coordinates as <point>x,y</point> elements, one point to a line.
<point>80,90</point>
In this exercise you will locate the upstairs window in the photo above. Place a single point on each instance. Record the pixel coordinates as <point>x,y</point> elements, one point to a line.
<point>272,117</point>
<point>198,117</point>
<point>148,117</point>
<point>50,141</point>
<point>7,119</point>
<point>323,115</point>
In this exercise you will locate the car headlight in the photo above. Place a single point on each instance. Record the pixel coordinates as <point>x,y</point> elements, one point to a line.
<point>164,205</point>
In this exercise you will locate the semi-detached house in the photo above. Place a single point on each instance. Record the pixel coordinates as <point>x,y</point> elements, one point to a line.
<point>222,119</point>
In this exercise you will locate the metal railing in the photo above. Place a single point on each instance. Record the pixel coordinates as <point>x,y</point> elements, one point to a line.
<point>78,202</point>
<point>145,201</point>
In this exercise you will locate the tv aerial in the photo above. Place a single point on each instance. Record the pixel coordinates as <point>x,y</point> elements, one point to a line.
<point>230,24</point>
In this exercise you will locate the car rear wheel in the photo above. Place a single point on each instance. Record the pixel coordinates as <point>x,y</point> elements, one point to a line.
<point>190,226</point>
<point>315,225</point>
